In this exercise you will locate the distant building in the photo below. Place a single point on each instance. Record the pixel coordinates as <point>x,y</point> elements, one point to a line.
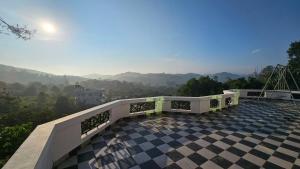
<point>85,96</point>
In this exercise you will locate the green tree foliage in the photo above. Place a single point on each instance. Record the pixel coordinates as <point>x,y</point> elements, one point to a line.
<point>16,89</point>
<point>207,86</point>
<point>32,104</point>
<point>68,90</point>
<point>201,87</point>
<point>239,83</point>
<point>27,106</point>
<point>37,103</point>
<point>294,60</point>
<point>243,83</point>
<point>42,99</point>
<point>254,83</point>
<point>64,105</point>
<point>117,89</point>
<point>55,90</point>
<point>265,73</point>
<point>30,91</point>
<point>19,110</point>
<point>11,138</point>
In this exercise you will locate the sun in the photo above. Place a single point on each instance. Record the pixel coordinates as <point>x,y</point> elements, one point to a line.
<point>48,27</point>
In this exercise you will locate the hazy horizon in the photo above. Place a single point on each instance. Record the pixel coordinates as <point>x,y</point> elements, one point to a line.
<point>112,37</point>
<point>95,73</point>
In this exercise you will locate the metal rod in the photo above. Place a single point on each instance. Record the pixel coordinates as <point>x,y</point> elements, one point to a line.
<point>290,92</point>
<point>264,88</point>
<point>293,79</point>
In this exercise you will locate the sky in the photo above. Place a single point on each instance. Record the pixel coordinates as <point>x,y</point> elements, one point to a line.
<point>150,36</point>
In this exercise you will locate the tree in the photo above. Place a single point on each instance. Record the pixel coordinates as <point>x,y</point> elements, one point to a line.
<point>265,73</point>
<point>254,83</point>
<point>239,83</point>
<point>20,31</point>
<point>190,88</point>
<point>294,51</point>
<point>42,100</point>
<point>242,83</point>
<point>11,138</point>
<point>201,87</point>
<point>55,90</point>
<point>31,90</point>
<point>16,89</point>
<point>69,90</point>
<point>64,105</point>
<point>9,104</point>
<point>3,88</point>
<point>294,61</point>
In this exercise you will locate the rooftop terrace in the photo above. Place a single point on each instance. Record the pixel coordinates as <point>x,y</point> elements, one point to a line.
<point>254,134</point>
<point>218,131</point>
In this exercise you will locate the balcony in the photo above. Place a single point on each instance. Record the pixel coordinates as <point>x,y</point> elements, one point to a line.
<point>220,131</point>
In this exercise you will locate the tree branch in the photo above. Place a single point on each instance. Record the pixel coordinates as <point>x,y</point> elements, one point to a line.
<point>20,31</point>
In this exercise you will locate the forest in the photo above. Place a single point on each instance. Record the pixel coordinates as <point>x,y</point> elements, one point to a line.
<point>23,107</point>
<point>210,86</point>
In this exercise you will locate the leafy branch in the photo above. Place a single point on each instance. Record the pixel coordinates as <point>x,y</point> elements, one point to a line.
<point>20,31</point>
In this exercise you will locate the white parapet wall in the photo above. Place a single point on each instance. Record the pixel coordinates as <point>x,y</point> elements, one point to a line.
<point>52,141</point>
<point>268,94</point>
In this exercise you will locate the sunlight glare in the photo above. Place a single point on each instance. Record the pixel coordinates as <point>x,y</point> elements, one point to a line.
<point>48,27</point>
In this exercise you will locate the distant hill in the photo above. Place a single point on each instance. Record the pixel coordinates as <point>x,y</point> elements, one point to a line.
<point>12,74</point>
<point>224,76</point>
<point>97,76</point>
<point>156,79</point>
<point>161,79</point>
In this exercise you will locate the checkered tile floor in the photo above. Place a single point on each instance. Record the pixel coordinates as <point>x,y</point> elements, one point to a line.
<point>251,135</point>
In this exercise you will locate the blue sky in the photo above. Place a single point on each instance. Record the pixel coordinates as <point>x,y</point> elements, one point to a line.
<point>171,36</point>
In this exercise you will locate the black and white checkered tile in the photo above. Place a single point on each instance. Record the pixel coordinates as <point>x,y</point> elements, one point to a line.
<point>251,135</point>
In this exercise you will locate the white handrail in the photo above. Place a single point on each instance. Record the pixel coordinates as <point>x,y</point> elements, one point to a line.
<point>52,141</point>
<point>269,94</point>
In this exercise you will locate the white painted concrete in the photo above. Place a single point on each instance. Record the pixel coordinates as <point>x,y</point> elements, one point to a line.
<point>269,94</point>
<point>51,141</point>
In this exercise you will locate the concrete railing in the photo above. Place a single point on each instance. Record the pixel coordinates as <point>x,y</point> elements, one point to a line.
<point>51,142</point>
<point>269,94</point>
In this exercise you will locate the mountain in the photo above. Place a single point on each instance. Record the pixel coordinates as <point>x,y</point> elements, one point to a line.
<point>161,79</point>
<point>156,79</point>
<point>12,74</point>
<point>224,76</point>
<point>97,76</point>
<point>151,79</point>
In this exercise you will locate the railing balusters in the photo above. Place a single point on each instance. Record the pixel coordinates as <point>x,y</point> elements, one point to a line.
<point>142,106</point>
<point>95,121</point>
<point>179,104</point>
<point>228,101</point>
<point>214,103</point>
